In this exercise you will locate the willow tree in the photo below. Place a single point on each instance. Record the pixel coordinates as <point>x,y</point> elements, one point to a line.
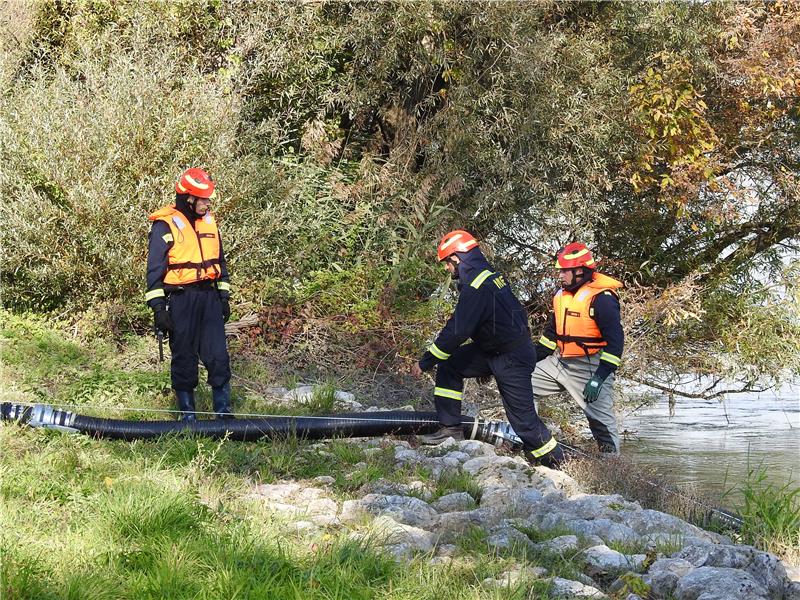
<point>347,136</point>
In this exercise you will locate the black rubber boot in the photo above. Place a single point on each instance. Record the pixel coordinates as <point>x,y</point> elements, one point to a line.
<point>456,432</point>
<point>185,405</point>
<point>222,401</point>
<point>603,437</point>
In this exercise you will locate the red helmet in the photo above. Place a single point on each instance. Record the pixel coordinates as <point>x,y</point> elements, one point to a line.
<point>195,182</point>
<point>456,241</point>
<point>573,256</point>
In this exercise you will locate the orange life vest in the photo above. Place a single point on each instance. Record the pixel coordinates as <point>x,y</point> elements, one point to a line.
<point>577,333</point>
<point>194,255</point>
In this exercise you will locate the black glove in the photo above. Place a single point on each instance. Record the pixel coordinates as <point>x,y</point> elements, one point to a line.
<point>226,309</point>
<point>592,389</point>
<point>162,318</point>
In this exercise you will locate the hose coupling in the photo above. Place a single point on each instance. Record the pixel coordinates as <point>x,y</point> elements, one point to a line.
<point>43,415</point>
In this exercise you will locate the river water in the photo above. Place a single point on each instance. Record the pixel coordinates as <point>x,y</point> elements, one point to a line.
<point>710,445</point>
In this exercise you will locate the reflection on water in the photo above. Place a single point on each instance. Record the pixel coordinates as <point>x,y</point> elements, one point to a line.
<point>709,444</point>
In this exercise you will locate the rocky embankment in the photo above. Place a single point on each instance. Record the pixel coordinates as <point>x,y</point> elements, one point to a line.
<point>611,547</point>
<point>619,548</point>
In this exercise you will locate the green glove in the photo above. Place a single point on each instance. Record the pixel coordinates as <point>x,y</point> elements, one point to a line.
<point>592,389</point>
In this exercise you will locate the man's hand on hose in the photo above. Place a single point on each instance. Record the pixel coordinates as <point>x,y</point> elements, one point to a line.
<point>592,389</point>
<point>162,318</point>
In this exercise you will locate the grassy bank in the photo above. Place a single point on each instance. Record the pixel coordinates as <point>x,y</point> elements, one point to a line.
<point>175,518</point>
<point>171,519</point>
<point>85,518</point>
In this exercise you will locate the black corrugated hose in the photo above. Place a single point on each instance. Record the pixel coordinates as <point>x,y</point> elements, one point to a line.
<point>363,424</point>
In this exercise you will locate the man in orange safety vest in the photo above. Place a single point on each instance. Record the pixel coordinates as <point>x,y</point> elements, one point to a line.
<point>581,346</point>
<point>188,290</point>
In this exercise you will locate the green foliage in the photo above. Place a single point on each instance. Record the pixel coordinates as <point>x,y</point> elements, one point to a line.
<point>102,386</point>
<point>322,399</point>
<point>346,137</point>
<point>457,481</point>
<point>45,361</point>
<point>175,517</point>
<point>38,351</point>
<point>672,113</point>
<point>136,512</point>
<point>633,585</point>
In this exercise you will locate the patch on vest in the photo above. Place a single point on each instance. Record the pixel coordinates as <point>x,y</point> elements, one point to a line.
<point>572,313</point>
<point>178,222</point>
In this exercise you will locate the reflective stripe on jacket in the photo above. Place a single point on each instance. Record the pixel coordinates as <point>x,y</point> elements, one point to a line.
<point>195,251</point>
<point>577,333</point>
<point>487,312</point>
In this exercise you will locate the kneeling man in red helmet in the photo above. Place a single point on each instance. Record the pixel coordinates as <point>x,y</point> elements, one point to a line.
<point>488,314</point>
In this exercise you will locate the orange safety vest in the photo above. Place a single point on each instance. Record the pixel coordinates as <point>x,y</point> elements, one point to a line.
<point>577,333</point>
<point>194,255</point>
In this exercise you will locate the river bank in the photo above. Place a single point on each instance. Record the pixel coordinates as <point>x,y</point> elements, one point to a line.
<point>189,517</point>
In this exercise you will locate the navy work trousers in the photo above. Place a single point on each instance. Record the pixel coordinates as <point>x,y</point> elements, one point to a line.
<point>512,371</point>
<point>199,332</point>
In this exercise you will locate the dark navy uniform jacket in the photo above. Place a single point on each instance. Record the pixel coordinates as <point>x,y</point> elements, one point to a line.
<point>487,311</point>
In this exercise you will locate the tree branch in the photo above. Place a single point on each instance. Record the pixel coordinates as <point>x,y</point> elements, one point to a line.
<point>705,395</point>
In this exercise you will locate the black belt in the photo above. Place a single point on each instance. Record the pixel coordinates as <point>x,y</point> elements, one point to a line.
<point>197,286</point>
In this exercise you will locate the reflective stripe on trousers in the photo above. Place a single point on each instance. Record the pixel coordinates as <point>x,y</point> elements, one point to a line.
<point>512,371</point>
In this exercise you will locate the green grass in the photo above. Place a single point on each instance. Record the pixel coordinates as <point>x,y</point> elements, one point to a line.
<point>170,518</point>
<point>457,481</point>
<point>87,518</point>
<point>322,400</point>
<point>644,546</point>
<point>771,513</point>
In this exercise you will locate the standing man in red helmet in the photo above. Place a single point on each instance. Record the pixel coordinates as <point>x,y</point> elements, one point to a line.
<point>581,346</point>
<point>487,312</point>
<point>189,291</point>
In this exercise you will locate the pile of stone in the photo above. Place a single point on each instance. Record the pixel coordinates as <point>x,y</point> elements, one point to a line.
<point>405,521</point>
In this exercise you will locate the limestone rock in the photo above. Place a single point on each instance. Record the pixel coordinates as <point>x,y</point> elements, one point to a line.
<point>514,577</point>
<point>559,545</point>
<point>763,567</point>
<point>459,501</point>
<point>664,573</point>
<point>403,509</point>
<point>507,538</point>
<point>719,583</point>
<point>566,588</point>
<point>513,502</point>
<point>602,561</point>
<point>401,538</point>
